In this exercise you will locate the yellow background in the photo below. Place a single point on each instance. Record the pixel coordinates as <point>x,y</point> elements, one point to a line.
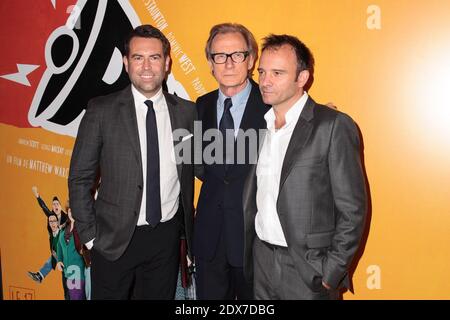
<point>394,82</point>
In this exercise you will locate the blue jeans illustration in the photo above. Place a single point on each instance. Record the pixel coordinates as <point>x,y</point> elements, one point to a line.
<point>87,284</point>
<point>46,268</point>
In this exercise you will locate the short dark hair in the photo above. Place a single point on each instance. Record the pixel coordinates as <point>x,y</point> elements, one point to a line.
<point>48,221</point>
<point>55,198</point>
<point>147,31</point>
<point>227,27</point>
<point>305,59</point>
<point>52,214</point>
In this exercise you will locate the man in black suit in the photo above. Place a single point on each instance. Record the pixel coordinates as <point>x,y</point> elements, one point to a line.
<point>145,199</point>
<point>305,200</point>
<point>236,106</point>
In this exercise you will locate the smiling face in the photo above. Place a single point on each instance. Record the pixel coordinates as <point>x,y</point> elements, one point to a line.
<point>146,65</point>
<point>53,223</point>
<point>230,75</point>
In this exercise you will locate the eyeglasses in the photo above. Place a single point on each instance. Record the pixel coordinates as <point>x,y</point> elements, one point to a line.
<point>237,57</point>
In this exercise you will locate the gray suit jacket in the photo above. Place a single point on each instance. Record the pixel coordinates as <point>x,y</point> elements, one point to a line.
<point>322,197</point>
<point>107,146</point>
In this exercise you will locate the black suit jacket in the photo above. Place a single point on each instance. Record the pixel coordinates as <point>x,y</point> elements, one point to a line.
<point>108,144</point>
<point>322,198</point>
<point>219,207</point>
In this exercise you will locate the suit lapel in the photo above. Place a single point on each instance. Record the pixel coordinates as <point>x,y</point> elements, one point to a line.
<point>209,118</point>
<point>249,195</point>
<point>128,114</point>
<point>301,134</point>
<point>253,118</point>
<point>249,116</point>
<point>176,121</point>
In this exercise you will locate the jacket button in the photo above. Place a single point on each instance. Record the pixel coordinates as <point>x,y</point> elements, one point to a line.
<point>140,187</point>
<point>226,181</point>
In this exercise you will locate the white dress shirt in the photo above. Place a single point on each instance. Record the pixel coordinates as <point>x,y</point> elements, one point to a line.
<point>168,176</point>
<point>268,173</point>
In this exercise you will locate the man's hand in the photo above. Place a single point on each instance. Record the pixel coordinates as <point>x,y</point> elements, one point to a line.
<point>35,191</point>
<point>331,105</point>
<point>89,244</point>
<point>60,266</point>
<point>189,262</point>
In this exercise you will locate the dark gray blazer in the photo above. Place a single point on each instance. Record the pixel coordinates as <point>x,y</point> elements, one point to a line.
<point>107,145</point>
<point>322,197</point>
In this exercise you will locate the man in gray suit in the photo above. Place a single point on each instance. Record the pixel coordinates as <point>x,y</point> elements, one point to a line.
<point>305,200</point>
<point>145,199</point>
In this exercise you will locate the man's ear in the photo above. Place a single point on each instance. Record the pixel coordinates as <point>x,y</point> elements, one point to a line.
<point>125,63</point>
<point>167,63</point>
<point>251,61</point>
<point>302,78</point>
<point>211,66</point>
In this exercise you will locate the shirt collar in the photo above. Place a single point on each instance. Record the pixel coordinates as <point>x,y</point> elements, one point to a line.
<point>140,99</point>
<point>238,98</point>
<point>292,114</point>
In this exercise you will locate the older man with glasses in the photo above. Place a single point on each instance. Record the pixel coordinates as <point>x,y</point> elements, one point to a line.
<point>231,51</point>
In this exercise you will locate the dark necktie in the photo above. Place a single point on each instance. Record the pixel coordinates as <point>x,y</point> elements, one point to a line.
<point>226,127</point>
<point>153,205</point>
